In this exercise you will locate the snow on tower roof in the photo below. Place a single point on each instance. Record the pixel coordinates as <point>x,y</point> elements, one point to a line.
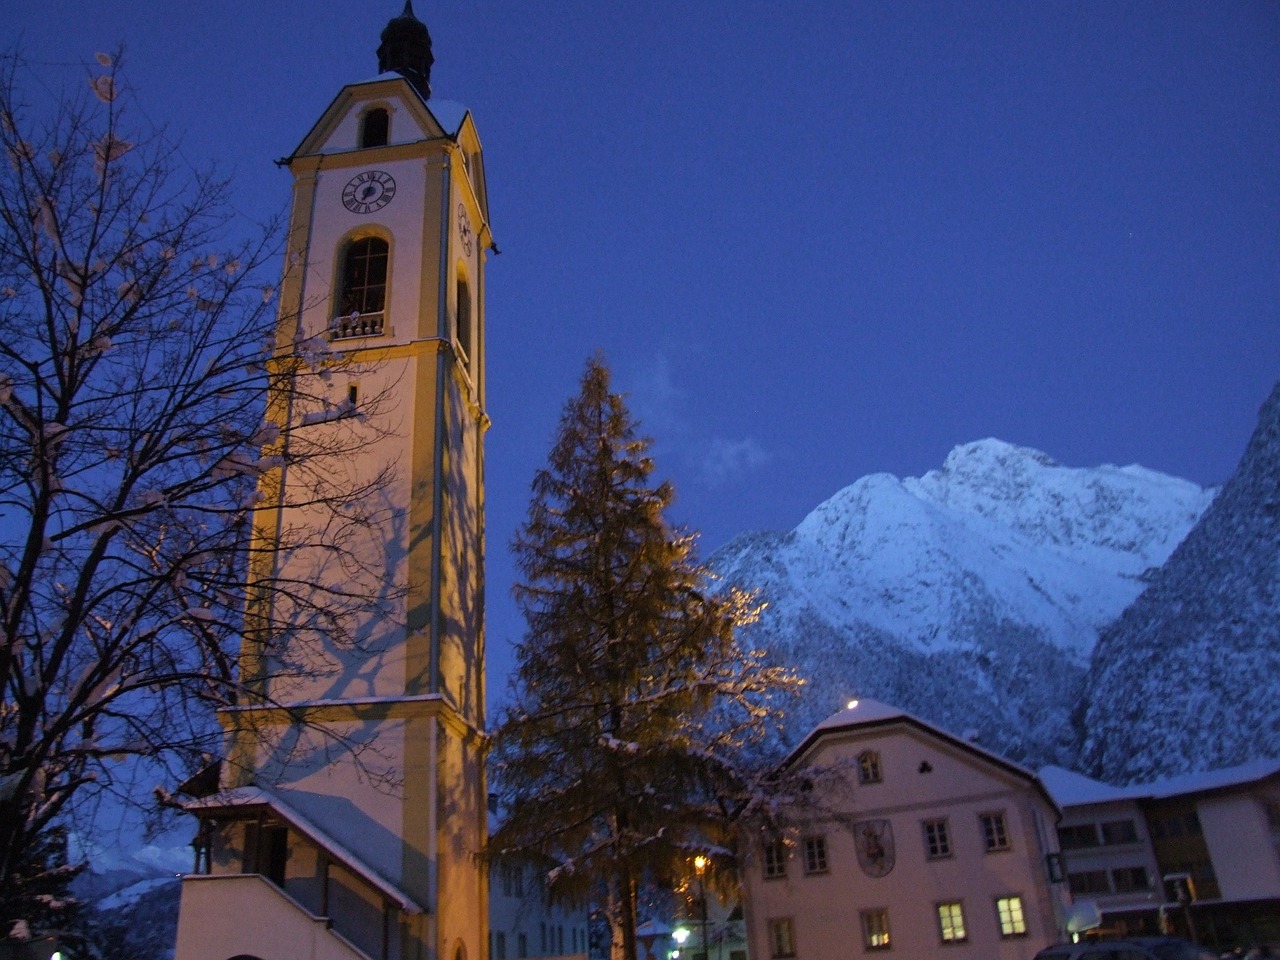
<point>448,113</point>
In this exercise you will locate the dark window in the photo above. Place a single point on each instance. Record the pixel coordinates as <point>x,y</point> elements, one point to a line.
<point>937,842</point>
<point>1089,881</point>
<point>994,833</point>
<point>775,860</point>
<point>815,855</point>
<point>869,767</point>
<point>267,851</point>
<point>1080,835</point>
<point>375,127</point>
<point>1119,831</point>
<point>364,288</point>
<point>1127,879</point>
<point>464,320</point>
<point>522,945</point>
<point>782,938</point>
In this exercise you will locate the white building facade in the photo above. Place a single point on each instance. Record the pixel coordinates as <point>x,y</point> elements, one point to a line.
<point>915,843</point>
<point>347,818</point>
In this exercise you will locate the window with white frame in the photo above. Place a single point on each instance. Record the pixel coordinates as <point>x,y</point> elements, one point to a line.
<point>951,922</point>
<point>937,839</point>
<point>775,860</point>
<point>875,929</point>
<point>782,938</point>
<point>995,834</point>
<point>1013,923</point>
<point>869,767</point>
<point>815,854</point>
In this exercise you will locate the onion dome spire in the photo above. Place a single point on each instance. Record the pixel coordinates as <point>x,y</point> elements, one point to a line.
<point>406,50</point>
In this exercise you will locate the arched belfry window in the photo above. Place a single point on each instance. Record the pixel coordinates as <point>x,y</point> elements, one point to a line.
<point>362,292</point>
<point>464,321</point>
<point>375,128</point>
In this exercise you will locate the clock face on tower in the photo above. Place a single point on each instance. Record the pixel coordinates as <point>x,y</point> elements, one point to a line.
<point>368,191</point>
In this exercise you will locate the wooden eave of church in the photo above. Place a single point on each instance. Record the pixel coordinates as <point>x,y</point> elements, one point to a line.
<point>246,803</point>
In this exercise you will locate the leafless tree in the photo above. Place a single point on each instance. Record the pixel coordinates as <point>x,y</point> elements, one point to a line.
<point>147,416</point>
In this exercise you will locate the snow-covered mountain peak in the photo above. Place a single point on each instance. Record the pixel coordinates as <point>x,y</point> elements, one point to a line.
<point>1019,496</point>
<point>999,565</point>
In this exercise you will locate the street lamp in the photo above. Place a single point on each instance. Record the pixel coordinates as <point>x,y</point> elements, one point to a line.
<point>679,935</point>
<point>700,865</point>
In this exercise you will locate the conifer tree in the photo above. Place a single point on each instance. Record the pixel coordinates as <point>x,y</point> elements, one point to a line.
<point>621,757</point>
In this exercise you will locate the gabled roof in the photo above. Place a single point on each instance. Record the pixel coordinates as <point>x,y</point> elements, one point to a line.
<point>1071,789</point>
<point>444,115</point>
<point>245,799</point>
<point>866,714</point>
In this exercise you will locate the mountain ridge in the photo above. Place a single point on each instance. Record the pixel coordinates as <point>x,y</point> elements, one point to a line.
<point>941,593</point>
<point>1188,678</point>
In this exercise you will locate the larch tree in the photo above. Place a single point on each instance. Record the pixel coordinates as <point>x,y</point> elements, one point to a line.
<point>138,357</point>
<point>621,758</point>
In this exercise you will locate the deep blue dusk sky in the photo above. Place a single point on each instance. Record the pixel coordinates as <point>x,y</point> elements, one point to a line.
<point>814,240</point>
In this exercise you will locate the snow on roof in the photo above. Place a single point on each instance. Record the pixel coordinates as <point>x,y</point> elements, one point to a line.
<point>1215,779</point>
<point>861,711</point>
<point>1071,789</point>
<point>259,796</point>
<point>449,113</point>
<point>866,712</point>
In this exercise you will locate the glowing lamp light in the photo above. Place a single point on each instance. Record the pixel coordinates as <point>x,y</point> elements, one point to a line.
<point>852,705</point>
<point>700,863</point>
<point>680,935</point>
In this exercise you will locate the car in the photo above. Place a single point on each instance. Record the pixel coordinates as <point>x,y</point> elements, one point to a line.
<point>1128,948</point>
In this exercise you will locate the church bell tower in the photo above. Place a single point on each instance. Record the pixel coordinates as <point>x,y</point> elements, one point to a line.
<point>348,816</point>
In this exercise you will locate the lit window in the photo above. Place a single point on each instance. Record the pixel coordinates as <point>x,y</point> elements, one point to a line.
<point>782,938</point>
<point>1012,921</point>
<point>815,855</point>
<point>869,767</point>
<point>951,922</point>
<point>775,860</point>
<point>994,833</point>
<point>937,843</point>
<point>875,929</point>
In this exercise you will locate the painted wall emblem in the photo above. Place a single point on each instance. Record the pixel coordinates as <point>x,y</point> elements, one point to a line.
<point>874,840</point>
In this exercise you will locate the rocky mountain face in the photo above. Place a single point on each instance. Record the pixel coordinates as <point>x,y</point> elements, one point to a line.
<point>1188,678</point>
<point>972,596</point>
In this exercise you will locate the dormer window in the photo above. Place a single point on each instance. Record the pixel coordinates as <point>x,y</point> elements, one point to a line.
<point>375,128</point>
<point>869,767</point>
